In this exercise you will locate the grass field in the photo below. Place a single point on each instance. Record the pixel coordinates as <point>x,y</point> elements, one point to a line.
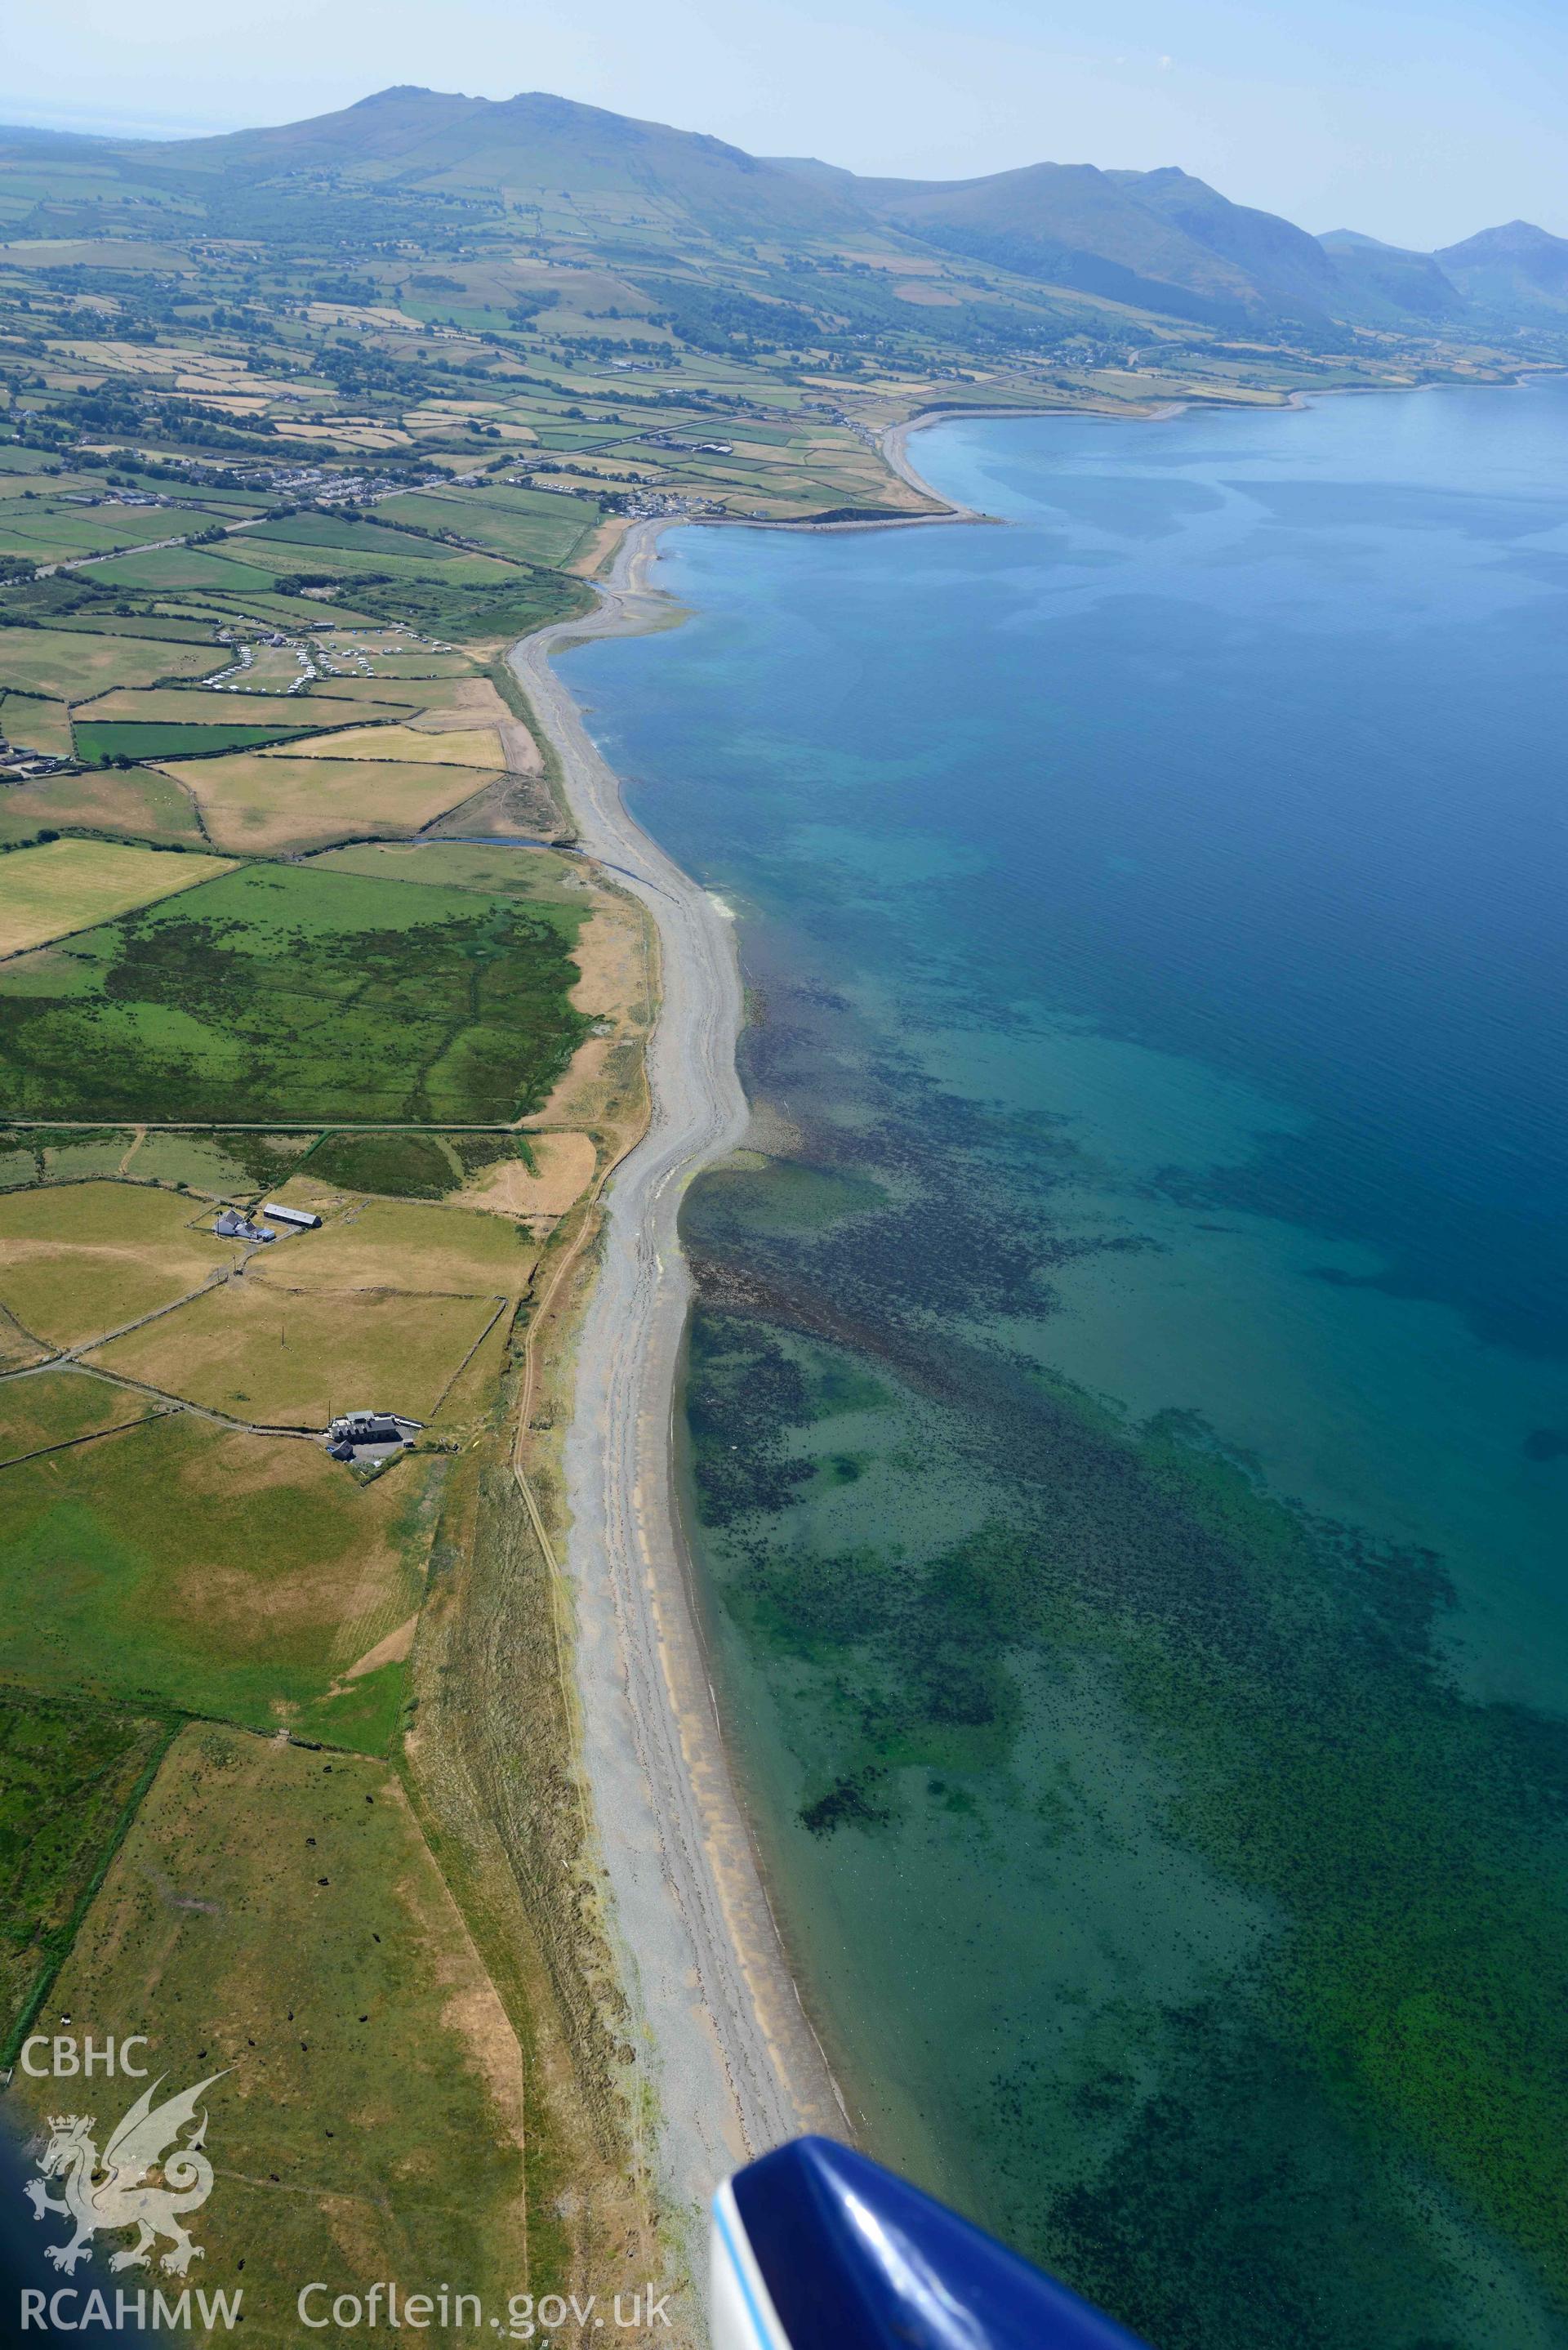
<point>258,802</point>
<point>369,2125</point>
<point>71,885</point>
<point>538,873</point>
<point>290,1358</point>
<point>182,566</point>
<point>78,1259</point>
<point>145,804</point>
<point>463,746</point>
<point>282,992</point>
<point>195,705</point>
<point>61,1408</point>
<point>166,739</point>
<point>399,1166</point>
<point>529,527</point>
<point>68,1775</point>
<point>388,1245</point>
<point>72,666</point>
<point>37,724</point>
<point>189,1566</point>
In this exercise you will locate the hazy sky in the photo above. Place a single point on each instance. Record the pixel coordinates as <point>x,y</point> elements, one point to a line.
<point>1416,121</point>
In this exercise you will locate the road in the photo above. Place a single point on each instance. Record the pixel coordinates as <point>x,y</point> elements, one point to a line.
<point>736,2068</point>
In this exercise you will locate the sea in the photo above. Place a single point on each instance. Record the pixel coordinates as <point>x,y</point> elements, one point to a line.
<point>1124,1442</point>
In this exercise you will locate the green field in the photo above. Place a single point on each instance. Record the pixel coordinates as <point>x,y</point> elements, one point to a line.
<point>61,1408</point>
<point>67,1776</point>
<point>531,528</point>
<point>288,992</point>
<point>187,1566</point>
<point>180,567</point>
<point>100,740</point>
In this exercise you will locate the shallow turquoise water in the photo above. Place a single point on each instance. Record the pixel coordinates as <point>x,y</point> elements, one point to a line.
<point>1129,1405</point>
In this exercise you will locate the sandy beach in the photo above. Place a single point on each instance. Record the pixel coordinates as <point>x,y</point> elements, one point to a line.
<point>733,2062</point>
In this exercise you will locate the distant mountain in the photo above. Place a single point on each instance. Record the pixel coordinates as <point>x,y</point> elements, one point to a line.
<point>407,162</point>
<point>1518,271</point>
<point>530,150</point>
<point>1072,225</point>
<point>1390,285</point>
<point>1162,240</point>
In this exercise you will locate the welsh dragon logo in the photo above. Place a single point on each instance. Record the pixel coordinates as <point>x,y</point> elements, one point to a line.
<point>111,2192</point>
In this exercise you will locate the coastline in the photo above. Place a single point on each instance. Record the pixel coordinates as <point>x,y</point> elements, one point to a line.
<point>732,2062</point>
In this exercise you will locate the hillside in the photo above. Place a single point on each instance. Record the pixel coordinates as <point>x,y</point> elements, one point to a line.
<point>1517,272</point>
<point>417,168</point>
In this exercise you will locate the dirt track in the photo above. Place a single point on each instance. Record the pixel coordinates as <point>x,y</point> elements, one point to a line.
<point>734,2065</point>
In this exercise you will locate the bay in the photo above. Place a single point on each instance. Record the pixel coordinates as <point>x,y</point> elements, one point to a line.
<point>1128,1416</point>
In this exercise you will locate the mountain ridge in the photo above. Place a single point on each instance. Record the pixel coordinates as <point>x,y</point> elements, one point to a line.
<point>1159,240</point>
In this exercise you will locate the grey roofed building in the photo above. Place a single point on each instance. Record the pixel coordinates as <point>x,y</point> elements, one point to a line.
<point>374,1428</point>
<point>234,1224</point>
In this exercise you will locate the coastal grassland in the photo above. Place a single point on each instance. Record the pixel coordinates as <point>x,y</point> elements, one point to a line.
<point>143,805</point>
<point>287,992</point>
<point>71,666</point>
<point>71,885</point>
<point>226,1165</point>
<point>78,1259</point>
<point>282,1357</point>
<point>70,1778</point>
<point>257,803</point>
<point>63,1408</point>
<point>185,1566</point>
<point>276,1915</point>
<point>492,1766</point>
<point>387,1244</point>
<point>520,871</point>
<point>1387,2055</point>
<point>474,746</point>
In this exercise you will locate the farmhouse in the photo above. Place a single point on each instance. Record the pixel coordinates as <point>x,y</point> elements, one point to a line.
<point>377,1430</point>
<point>234,1224</point>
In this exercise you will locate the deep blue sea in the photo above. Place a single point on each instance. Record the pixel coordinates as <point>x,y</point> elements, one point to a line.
<point>1128,1405</point>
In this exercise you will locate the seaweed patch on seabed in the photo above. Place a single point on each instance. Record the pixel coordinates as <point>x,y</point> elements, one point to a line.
<point>1353,2131</point>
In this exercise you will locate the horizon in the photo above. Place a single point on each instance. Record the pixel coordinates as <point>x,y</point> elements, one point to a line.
<point>1329,117</point>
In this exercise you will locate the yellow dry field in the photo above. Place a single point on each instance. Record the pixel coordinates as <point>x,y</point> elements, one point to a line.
<point>70,665</point>
<point>253,802</point>
<point>69,885</point>
<point>78,1259</point>
<point>274,1918</point>
<point>399,1244</point>
<point>564,1169</point>
<point>477,746</point>
<point>457,703</point>
<point>289,1358</point>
